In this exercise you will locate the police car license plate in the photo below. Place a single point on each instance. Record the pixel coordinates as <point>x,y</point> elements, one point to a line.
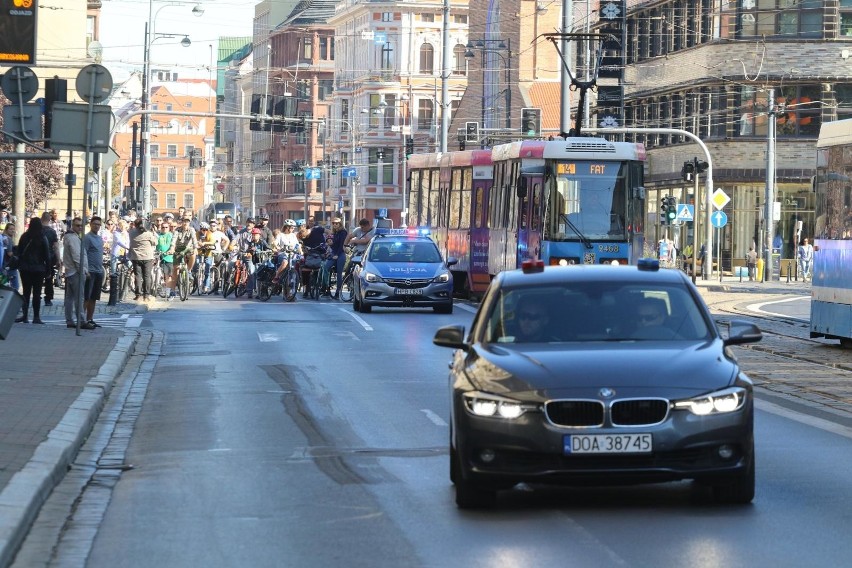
<point>608,444</point>
<point>408,291</point>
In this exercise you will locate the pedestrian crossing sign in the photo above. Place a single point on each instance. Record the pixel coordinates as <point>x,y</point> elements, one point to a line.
<point>685,212</point>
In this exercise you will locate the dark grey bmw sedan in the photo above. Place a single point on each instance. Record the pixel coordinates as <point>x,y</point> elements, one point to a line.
<point>596,375</point>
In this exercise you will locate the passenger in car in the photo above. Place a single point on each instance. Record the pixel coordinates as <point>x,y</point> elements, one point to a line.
<point>532,320</point>
<point>651,320</point>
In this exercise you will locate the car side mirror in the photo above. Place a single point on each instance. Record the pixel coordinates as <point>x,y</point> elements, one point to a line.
<point>741,331</point>
<point>451,336</point>
<point>452,260</point>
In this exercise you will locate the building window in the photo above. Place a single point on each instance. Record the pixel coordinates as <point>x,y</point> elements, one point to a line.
<point>171,201</point>
<point>188,104</point>
<point>169,106</point>
<point>460,19</point>
<point>427,17</point>
<point>459,60</point>
<point>187,124</point>
<point>752,111</point>
<point>326,87</point>
<point>308,48</point>
<point>787,18</point>
<point>800,114</point>
<point>189,201</point>
<point>344,115</point>
<point>154,150</point>
<point>427,59</point>
<point>376,110</point>
<point>171,174</point>
<point>387,56</point>
<point>171,150</point>
<point>845,19</point>
<point>843,96</point>
<point>155,174</point>
<point>381,166</point>
<point>387,16</point>
<point>425,114</point>
<point>326,45</point>
<point>188,150</point>
<point>189,176</point>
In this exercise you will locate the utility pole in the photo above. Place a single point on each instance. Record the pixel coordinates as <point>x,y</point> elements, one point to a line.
<point>445,78</point>
<point>769,224</point>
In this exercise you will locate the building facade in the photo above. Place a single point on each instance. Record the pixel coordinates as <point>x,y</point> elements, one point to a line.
<point>725,71</point>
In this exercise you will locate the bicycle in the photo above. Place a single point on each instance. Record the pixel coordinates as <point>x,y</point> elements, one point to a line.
<point>264,273</point>
<point>158,281</point>
<point>289,279</point>
<point>198,271</point>
<point>347,288</point>
<point>310,269</point>
<point>182,277</point>
<point>238,282</point>
<point>125,279</point>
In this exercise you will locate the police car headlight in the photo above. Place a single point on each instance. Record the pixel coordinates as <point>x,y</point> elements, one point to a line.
<point>370,277</point>
<point>443,277</point>
<point>482,404</point>
<point>720,402</point>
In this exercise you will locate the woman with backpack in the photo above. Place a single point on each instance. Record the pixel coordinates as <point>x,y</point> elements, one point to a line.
<point>33,265</point>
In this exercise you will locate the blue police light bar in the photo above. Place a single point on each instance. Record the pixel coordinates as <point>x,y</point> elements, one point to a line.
<point>650,264</point>
<point>407,232</point>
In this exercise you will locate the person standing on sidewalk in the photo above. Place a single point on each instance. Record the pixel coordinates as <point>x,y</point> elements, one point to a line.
<point>33,265</point>
<point>142,245</point>
<point>53,243</point>
<point>10,258</point>
<point>806,257</point>
<point>71,248</point>
<point>751,262</point>
<point>164,246</point>
<point>93,244</point>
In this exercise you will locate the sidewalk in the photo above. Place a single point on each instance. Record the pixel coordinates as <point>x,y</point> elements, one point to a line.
<point>53,384</point>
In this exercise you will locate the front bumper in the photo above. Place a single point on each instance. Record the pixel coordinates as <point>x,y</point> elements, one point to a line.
<point>530,449</point>
<point>387,295</point>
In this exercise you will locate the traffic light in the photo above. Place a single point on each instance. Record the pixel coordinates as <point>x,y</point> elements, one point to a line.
<point>55,91</point>
<point>700,167</point>
<point>471,131</point>
<point>687,172</point>
<point>671,210</point>
<point>409,147</point>
<point>664,211</point>
<point>531,122</point>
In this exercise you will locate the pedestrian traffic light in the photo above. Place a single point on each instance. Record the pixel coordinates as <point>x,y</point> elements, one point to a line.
<point>409,147</point>
<point>531,122</point>
<point>687,172</point>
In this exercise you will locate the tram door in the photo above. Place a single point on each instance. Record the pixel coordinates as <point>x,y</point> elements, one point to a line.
<point>529,218</point>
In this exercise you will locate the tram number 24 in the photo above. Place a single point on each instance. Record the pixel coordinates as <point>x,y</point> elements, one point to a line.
<point>608,248</point>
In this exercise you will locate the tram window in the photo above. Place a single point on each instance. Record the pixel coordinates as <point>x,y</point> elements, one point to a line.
<point>567,205</point>
<point>535,223</point>
<point>523,206</point>
<point>414,199</point>
<point>478,203</point>
<point>455,200</point>
<point>464,198</point>
<point>434,188</point>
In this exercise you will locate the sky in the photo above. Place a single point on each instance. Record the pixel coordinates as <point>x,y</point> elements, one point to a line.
<point>122,33</point>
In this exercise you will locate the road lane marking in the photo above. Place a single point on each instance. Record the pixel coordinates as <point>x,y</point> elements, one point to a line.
<point>465,307</point>
<point>268,336</point>
<point>134,321</point>
<point>759,307</point>
<point>359,319</point>
<point>436,420</point>
<point>806,419</point>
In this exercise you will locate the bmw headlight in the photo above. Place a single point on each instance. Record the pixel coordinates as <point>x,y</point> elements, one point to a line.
<point>370,277</point>
<point>488,405</point>
<point>720,402</point>
<point>443,277</point>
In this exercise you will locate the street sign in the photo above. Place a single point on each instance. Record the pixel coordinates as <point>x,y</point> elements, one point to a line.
<point>312,173</point>
<point>383,213</point>
<point>348,172</point>
<point>719,219</point>
<point>685,212</point>
<point>720,198</point>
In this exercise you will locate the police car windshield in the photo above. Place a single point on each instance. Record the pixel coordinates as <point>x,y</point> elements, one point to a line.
<point>401,251</point>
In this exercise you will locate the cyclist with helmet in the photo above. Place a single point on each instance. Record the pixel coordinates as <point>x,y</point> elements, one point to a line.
<point>265,231</point>
<point>286,240</point>
<point>206,248</point>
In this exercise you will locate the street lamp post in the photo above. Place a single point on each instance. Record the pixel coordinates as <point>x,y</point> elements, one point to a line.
<point>490,49</point>
<point>150,38</point>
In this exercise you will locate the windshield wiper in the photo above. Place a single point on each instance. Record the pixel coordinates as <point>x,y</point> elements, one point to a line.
<point>583,238</point>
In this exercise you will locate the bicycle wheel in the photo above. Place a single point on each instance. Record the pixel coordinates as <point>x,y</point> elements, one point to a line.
<point>215,279</point>
<point>264,290</point>
<point>346,289</point>
<point>241,279</point>
<point>183,284</point>
<point>198,278</point>
<point>290,283</point>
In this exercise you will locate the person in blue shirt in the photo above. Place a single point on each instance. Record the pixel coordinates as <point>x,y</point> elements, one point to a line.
<point>337,255</point>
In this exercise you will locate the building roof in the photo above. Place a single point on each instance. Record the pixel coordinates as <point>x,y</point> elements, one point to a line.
<point>232,48</point>
<point>310,12</point>
<point>547,96</point>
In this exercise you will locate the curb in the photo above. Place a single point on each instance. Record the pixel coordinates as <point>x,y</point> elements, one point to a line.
<point>21,500</point>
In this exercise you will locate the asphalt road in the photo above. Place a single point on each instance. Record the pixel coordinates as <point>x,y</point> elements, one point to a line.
<point>308,435</point>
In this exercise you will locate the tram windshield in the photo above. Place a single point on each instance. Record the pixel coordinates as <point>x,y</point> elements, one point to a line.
<point>587,200</point>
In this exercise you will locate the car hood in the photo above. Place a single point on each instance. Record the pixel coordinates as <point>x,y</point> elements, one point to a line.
<point>667,369</point>
<point>406,269</point>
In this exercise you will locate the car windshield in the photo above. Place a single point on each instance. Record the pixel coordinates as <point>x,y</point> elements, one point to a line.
<point>595,311</point>
<point>404,251</point>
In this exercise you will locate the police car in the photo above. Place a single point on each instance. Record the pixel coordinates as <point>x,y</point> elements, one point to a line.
<point>403,268</point>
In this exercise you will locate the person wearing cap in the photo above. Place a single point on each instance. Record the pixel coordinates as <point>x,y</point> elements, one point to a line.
<point>206,246</point>
<point>185,242</point>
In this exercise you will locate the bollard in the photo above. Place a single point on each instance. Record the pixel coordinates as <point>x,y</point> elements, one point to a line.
<point>113,290</point>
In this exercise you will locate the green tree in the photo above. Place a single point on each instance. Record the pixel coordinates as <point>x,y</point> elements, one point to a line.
<point>43,177</point>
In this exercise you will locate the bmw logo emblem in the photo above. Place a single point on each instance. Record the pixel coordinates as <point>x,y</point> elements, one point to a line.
<point>606,393</point>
